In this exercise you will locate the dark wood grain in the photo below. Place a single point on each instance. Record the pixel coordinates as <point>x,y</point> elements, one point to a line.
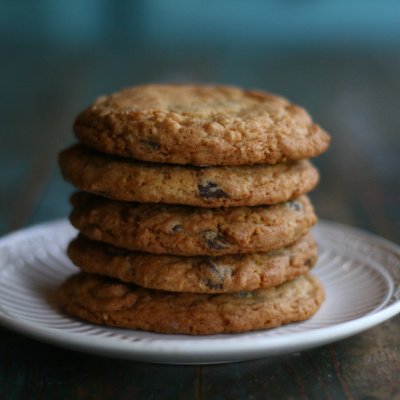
<point>354,96</point>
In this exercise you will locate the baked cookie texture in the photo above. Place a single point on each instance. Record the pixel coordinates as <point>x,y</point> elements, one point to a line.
<point>185,230</point>
<point>192,210</point>
<point>200,125</point>
<point>106,301</point>
<point>128,180</point>
<point>201,274</point>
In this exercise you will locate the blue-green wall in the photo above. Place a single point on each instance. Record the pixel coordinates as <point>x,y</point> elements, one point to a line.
<point>199,23</point>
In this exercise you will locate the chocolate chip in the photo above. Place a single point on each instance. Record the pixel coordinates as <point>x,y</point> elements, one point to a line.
<point>309,262</point>
<point>151,143</point>
<point>295,205</point>
<point>177,228</point>
<point>214,277</point>
<point>211,191</point>
<point>215,240</point>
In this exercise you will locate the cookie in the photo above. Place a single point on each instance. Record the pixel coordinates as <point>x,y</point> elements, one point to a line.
<point>185,230</point>
<point>200,125</point>
<point>195,274</point>
<point>106,301</point>
<point>128,180</point>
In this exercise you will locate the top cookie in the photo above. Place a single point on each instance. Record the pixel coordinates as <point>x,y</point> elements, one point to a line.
<point>200,125</point>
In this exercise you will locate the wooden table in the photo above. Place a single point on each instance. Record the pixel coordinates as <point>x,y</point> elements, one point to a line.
<point>356,97</point>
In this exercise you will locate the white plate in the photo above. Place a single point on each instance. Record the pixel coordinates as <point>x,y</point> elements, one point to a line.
<point>360,272</point>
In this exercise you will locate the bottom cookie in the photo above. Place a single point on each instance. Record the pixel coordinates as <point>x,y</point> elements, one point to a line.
<point>106,301</point>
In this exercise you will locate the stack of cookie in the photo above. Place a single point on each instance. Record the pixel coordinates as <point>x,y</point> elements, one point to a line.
<point>192,212</point>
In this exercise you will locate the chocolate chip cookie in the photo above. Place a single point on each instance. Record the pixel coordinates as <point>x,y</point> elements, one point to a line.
<point>128,180</point>
<point>185,230</point>
<point>223,274</point>
<point>106,301</point>
<point>200,125</point>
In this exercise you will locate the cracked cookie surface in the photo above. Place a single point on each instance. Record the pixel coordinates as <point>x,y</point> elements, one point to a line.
<point>200,125</point>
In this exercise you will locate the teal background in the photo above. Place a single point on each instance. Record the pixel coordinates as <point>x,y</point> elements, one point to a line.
<point>278,24</point>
